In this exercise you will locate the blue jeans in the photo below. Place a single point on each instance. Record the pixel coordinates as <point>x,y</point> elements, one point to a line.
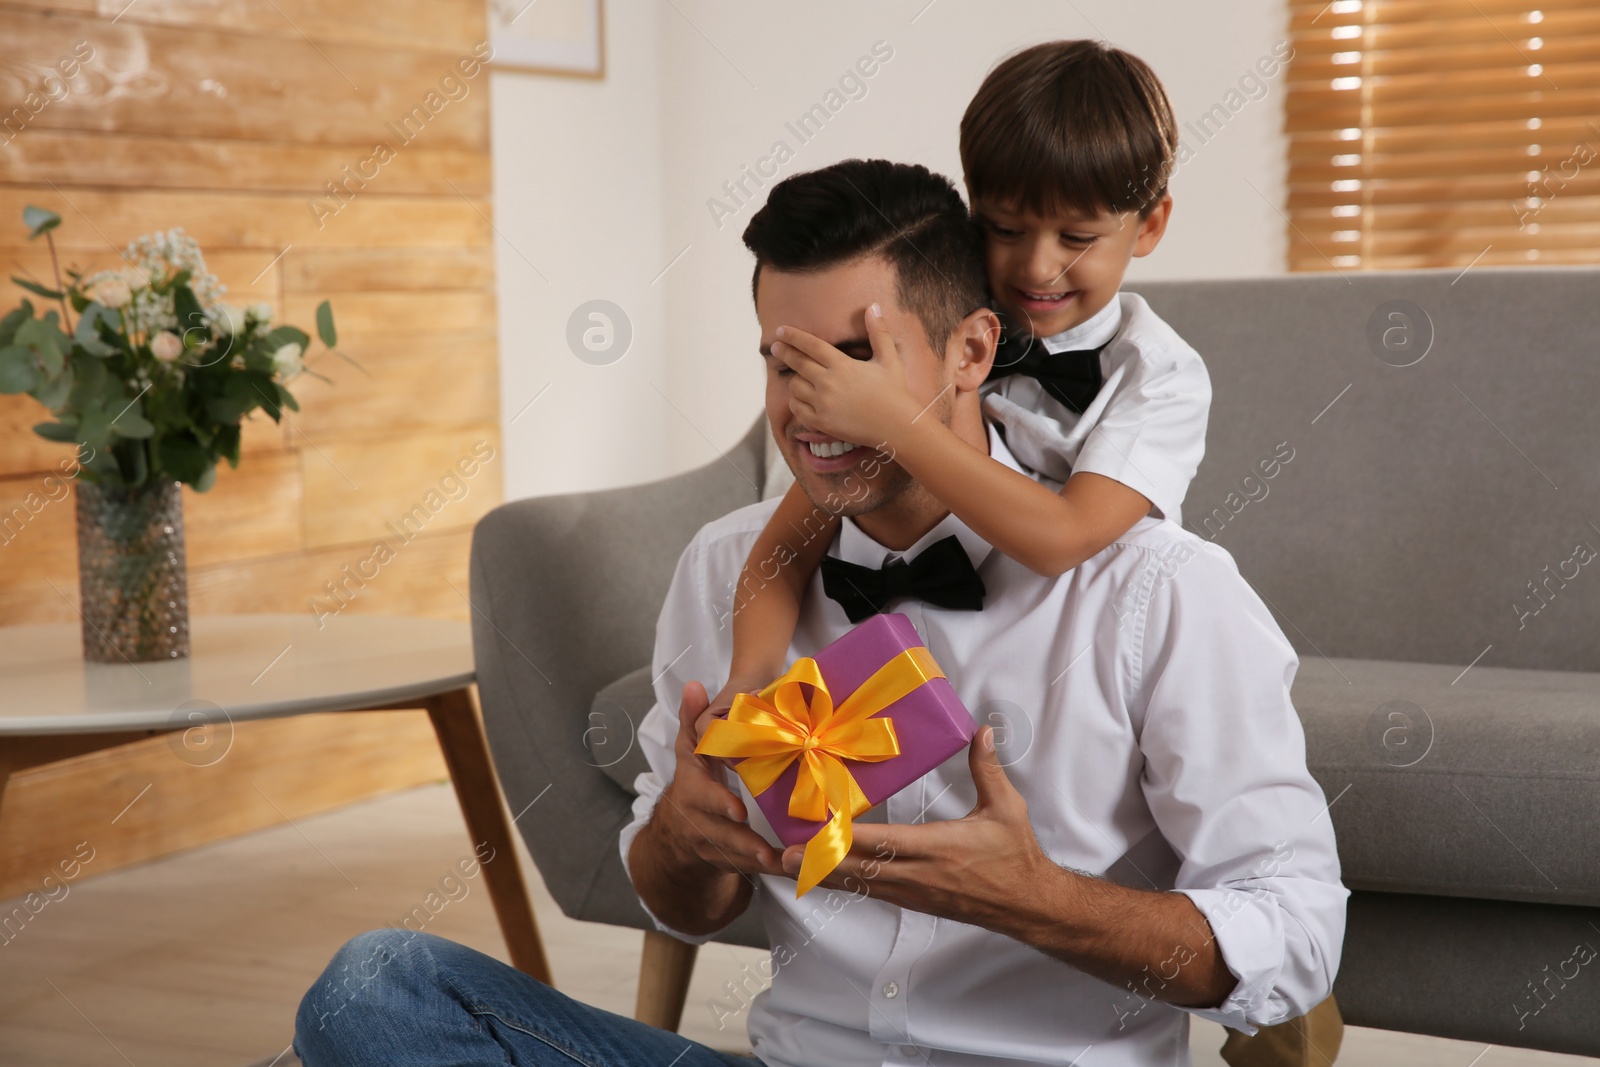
<point>393,998</point>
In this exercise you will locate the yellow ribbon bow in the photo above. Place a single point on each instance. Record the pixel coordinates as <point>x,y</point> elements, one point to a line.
<point>770,730</point>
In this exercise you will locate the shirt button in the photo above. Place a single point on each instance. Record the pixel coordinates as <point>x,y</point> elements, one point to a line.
<point>891,990</point>
<point>908,1050</point>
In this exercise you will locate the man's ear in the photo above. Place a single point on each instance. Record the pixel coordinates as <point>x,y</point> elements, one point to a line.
<point>1153,226</point>
<point>971,348</point>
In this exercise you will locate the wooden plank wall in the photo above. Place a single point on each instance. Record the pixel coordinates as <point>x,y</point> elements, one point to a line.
<point>230,118</point>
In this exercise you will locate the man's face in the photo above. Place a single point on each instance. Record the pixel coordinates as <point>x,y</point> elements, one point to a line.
<point>1050,273</point>
<point>832,304</point>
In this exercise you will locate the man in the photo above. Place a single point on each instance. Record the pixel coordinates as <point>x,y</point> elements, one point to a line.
<point>1146,839</point>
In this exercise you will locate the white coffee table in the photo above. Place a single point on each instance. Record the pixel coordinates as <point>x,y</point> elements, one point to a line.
<point>53,706</point>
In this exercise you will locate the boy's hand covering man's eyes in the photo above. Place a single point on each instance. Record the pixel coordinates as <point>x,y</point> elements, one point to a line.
<point>861,401</point>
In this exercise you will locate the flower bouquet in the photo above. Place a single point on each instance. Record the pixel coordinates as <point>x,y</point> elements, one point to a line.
<point>150,374</point>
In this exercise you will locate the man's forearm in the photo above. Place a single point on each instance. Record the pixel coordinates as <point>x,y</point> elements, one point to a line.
<point>1157,944</point>
<point>681,890</point>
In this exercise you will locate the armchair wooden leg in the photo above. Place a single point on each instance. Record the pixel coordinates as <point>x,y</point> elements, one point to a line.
<point>664,970</point>
<point>1312,1040</point>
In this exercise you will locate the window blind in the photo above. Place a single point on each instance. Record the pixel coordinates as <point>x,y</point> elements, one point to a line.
<point>1439,133</point>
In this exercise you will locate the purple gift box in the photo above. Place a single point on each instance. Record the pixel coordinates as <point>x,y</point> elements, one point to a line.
<point>930,722</point>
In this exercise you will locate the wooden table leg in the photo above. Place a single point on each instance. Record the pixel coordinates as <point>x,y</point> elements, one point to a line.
<point>466,754</point>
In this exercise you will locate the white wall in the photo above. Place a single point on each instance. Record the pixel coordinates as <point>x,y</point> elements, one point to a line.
<point>578,215</point>
<point>703,88</point>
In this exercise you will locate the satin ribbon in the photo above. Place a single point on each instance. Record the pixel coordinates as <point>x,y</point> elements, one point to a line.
<point>770,730</point>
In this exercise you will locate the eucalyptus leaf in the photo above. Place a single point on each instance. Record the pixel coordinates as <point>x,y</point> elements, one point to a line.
<point>53,393</point>
<point>94,429</point>
<point>65,430</point>
<point>46,340</point>
<point>18,371</point>
<point>283,335</point>
<point>207,479</point>
<point>325,330</point>
<point>13,319</point>
<point>132,423</point>
<point>35,287</point>
<point>87,334</point>
<point>39,221</point>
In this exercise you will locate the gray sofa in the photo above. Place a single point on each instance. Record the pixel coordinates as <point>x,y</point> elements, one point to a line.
<point>1406,467</point>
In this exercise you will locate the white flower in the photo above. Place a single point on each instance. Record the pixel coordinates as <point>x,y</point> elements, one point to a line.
<point>286,361</point>
<point>113,292</point>
<point>166,346</point>
<point>137,278</point>
<point>230,318</point>
<point>261,313</point>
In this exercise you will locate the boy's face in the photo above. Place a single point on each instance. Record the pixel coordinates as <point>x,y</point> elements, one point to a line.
<point>1050,273</point>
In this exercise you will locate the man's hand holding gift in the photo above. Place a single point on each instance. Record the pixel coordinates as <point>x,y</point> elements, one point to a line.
<point>983,869</point>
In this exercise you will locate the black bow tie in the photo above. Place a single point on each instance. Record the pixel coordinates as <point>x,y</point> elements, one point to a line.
<point>942,574</point>
<point>1071,377</point>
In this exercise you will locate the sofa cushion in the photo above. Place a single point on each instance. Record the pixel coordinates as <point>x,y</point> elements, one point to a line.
<point>614,719</point>
<point>1483,783</point>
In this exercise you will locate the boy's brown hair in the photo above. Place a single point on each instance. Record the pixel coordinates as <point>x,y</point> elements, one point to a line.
<point>1069,126</point>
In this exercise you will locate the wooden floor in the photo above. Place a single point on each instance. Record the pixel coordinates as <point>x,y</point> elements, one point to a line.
<point>199,960</point>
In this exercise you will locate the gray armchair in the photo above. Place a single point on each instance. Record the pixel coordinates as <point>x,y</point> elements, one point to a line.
<point>1440,494</point>
<point>548,635</point>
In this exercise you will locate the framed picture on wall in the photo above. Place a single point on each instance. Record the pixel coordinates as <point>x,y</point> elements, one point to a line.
<point>548,36</point>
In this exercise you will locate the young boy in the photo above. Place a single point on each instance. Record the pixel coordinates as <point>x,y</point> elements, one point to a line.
<point>1066,149</point>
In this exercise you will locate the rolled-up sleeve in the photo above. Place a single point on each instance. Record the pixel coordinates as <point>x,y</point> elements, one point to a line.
<point>1226,781</point>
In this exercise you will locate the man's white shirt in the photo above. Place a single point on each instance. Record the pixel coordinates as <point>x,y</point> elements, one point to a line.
<point>1145,428</point>
<point>1141,705</point>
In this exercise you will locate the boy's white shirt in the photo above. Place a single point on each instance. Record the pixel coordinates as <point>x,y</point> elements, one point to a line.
<point>1145,428</point>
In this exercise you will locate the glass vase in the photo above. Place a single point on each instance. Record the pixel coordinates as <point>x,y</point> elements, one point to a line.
<point>132,577</point>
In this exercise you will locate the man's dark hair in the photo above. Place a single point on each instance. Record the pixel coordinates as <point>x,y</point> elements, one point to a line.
<point>1070,125</point>
<point>912,217</point>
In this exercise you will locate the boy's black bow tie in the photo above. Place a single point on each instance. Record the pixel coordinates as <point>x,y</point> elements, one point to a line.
<point>942,574</point>
<point>1071,377</point>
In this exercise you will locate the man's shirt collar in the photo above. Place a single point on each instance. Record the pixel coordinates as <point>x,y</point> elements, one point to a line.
<point>855,545</point>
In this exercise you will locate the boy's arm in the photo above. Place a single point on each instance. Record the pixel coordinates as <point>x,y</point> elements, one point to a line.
<point>766,603</point>
<point>866,400</point>
<point>1050,533</point>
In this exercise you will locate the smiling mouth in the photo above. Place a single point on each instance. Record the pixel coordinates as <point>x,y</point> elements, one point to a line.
<point>1045,298</point>
<point>829,449</point>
